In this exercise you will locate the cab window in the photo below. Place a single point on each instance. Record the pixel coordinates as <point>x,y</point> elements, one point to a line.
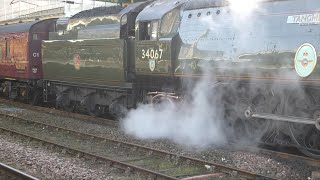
<point>154,31</point>
<point>149,30</point>
<point>170,23</point>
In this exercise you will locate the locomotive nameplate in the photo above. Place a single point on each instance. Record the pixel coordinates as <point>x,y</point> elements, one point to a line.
<point>304,19</point>
<point>305,60</point>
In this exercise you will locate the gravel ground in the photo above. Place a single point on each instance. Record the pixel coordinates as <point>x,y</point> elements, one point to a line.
<point>43,163</point>
<point>254,162</point>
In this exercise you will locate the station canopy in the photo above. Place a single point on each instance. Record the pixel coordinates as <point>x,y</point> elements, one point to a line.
<point>122,1</point>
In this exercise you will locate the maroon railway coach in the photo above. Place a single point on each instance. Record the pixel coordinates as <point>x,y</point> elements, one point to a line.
<point>20,55</point>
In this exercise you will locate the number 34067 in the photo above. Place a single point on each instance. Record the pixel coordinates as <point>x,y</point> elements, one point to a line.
<point>151,53</point>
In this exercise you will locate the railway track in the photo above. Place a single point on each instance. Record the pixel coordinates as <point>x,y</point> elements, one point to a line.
<point>83,117</point>
<point>114,123</point>
<point>7,172</point>
<point>283,155</point>
<point>269,152</point>
<point>127,156</point>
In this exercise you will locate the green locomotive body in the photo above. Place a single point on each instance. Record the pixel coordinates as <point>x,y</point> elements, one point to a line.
<point>90,51</point>
<point>260,60</point>
<point>263,44</point>
<point>96,62</point>
<point>86,67</point>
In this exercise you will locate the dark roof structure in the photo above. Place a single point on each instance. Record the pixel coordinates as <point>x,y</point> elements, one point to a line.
<point>137,7</point>
<point>157,9</point>
<point>19,27</point>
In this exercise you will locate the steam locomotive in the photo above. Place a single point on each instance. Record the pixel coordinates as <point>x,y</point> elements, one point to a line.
<point>261,61</point>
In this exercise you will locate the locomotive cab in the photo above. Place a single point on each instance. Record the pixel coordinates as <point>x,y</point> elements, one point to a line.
<point>157,44</point>
<point>128,19</point>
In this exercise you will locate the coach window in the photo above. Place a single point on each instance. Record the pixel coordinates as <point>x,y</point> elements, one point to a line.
<point>7,55</point>
<point>35,37</point>
<point>0,49</point>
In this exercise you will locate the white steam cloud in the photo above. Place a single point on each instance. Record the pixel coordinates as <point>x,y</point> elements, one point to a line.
<point>194,123</point>
<point>244,7</point>
<point>200,121</point>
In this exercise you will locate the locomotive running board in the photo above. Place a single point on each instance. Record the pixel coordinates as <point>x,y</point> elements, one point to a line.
<point>250,114</point>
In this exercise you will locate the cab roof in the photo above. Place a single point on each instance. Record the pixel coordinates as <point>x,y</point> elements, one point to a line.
<point>19,27</point>
<point>158,9</point>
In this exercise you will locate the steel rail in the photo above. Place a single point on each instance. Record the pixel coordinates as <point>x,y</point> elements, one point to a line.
<point>66,114</point>
<point>15,172</point>
<point>216,166</point>
<point>273,153</point>
<point>113,123</point>
<point>307,160</point>
<point>114,163</point>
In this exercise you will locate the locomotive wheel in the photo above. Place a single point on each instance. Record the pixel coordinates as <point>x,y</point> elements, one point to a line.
<point>306,137</point>
<point>95,111</point>
<point>116,109</point>
<point>240,130</point>
<point>160,101</point>
<point>70,107</point>
<point>257,129</point>
<point>35,99</point>
<point>250,129</point>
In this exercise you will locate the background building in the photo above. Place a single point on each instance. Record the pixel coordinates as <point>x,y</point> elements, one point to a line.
<point>16,10</point>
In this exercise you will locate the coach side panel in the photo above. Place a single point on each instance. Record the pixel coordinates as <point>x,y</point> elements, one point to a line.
<point>14,60</point>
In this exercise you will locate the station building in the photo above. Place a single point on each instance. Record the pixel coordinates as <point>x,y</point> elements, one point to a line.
<point>13,11</point>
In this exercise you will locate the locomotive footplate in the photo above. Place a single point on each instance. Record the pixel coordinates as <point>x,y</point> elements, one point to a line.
<point>249,113</point>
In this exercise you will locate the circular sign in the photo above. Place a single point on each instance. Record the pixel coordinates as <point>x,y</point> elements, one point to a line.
<point>305,60</point>
<point>77,61</point>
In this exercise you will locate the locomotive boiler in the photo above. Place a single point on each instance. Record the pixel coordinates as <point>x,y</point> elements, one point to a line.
<point>260,60</point>
<point>266,55</point>
<point>263,59</point>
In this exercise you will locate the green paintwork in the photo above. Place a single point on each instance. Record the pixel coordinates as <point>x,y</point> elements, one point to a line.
<point>260,47</point>
<point>101,61</point>
<point>163,65</point>
<point>258,66</point>
<point>70,31</point>
<point>247,65</point>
